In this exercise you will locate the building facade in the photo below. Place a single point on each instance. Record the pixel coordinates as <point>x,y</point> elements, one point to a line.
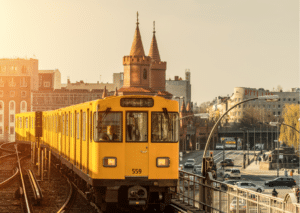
<point>18,78</point>
<point>180,88</point>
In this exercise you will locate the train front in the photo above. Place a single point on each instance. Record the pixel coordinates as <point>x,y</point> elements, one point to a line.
<point>136,145</point>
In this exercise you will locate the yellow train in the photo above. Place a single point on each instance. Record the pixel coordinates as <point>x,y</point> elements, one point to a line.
<point>119,150</point>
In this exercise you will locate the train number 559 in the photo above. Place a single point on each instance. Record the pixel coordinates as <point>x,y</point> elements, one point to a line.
<point>136,171</point>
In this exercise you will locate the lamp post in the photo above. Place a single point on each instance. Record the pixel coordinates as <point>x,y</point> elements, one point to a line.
<point>267,98</point>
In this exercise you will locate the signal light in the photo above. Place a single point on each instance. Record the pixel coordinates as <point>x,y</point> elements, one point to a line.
<point>211,154</point>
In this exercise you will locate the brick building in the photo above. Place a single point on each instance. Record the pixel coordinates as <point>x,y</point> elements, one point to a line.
<point>18,78</point>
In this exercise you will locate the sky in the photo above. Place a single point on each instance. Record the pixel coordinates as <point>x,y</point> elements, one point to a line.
<point>224,43</point>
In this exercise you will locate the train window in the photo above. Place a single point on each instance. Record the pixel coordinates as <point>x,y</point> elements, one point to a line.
<point>63,124</point>
<point>164,127</point>
<point>67,125</point>
<point>71,125</point>
<point>83,125</point>
<point>77,125</point>
<point>91,127</point>
<point>26,122</point>
<point>109,127</point>
<point>136,127</point>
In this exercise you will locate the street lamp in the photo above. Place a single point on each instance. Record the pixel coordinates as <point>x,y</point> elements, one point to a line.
<point>267,98</point>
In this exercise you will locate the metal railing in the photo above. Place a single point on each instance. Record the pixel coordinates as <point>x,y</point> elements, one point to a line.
<point>209,195</point>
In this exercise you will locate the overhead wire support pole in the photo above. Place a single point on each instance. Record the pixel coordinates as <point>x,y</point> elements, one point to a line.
<point>270,98</point>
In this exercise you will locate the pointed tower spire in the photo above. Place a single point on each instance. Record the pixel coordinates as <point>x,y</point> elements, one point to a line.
<point>104,93</point>
<point>154,53</point>
<point>116,92</point>
<point>137,48</point>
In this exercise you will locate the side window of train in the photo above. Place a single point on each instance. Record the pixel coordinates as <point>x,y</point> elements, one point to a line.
<point>136,126</point>
<point>83,125</point>
<point>67,124</point>
<point>91,126</point>
<point>108,127</point>
<point>63,124</point>
<point>26,122</point>
<point>77,125</point>
<point>71,125</point>
<point>20,122</point>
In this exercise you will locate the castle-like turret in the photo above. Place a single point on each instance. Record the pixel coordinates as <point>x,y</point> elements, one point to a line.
<point>158,68</point>
<point>137,65</point>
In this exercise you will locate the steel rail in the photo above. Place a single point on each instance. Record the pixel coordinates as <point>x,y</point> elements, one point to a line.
<point>27,204</point>
<point>65,205</point>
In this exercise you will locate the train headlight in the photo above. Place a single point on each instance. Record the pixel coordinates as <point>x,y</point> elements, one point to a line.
<point>163,162</point>
<point>109,162</point>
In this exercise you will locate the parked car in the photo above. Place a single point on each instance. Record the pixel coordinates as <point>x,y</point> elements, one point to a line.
<point>228,182</point>
<point>227,173</point>
<point>197,167</point>
<point>251,186</point>
<point>227,162</point>
<point>242,206</point>
<point>281,181</point>
<point>219,146</point>
<point>189,163</point>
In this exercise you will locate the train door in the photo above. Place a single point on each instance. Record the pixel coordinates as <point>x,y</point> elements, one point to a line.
<point>136,144</point>
<point>82,137</point>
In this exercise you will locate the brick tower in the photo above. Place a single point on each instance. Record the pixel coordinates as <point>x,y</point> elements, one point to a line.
<point>137,65</point>
<point>158,67</point>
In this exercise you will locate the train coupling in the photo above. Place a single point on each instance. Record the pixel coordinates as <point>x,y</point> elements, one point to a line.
<point>137,195</point>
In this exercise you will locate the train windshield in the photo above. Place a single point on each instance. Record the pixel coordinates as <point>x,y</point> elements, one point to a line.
<point>136,127</point>
<point>164,127</point>
<point>108,127</point>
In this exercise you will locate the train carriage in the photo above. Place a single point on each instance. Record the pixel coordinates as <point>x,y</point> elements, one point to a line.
<point>120,150</point>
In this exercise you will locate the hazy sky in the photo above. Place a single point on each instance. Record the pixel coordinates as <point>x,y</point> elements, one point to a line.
<point>224,43</point>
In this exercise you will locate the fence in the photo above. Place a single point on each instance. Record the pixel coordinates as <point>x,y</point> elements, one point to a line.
<point>209,195</point>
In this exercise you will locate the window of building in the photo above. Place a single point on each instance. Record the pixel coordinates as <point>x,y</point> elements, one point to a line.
<point>197,146</point>
<point>239,100</point>
<point>1,118</point>
<point>1,130</point>
<point>283,99</point>
<point>1,105</point>
<point>239,106</point>
<point>12,130</point>
<point>23,94</point>
<point>294,99</point>
<point>46,84</point>
<point>239,113</point>
<point>278,105</point>
<point>12,118</point>
<point>24,69</point>
<point>145,74</point>
<point>279,113</point>
<point>274,106</point>
<point>278,99</point>
<point>289,99</point>
<point>269,106</point>
<point>274,113</point>
<point>23,106</point>
<point>12,93</point>
<point>12,106</point>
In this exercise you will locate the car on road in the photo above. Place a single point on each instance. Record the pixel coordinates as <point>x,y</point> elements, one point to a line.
<point>281,181</point>
<point>197,171</point>
<point>219,146</point>
<point>232,173</point>
<point>228,182</point>
<point>249,185</point>
<point>227,162</point>
<point>196,167</point>
<point>189,163</point>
